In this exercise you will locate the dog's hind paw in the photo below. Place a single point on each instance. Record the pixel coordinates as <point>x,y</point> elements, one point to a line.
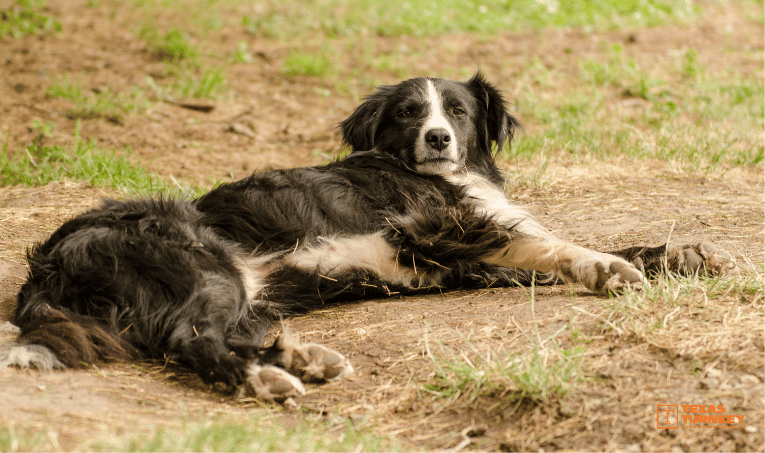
<point>316,363</point>
<point>703,257</point>
<point>312,362</point>
<point>271,383</point>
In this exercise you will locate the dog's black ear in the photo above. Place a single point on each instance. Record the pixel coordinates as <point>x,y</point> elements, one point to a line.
<point>359,129</point>
<point>499,125</point>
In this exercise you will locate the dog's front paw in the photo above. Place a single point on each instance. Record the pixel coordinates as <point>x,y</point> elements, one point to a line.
<point>703,257</point>
<point>616,276</point>
<point>271,383</point>
<point>603,273</point>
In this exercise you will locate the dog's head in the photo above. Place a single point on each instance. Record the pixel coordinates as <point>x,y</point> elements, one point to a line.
<point>434,126</point>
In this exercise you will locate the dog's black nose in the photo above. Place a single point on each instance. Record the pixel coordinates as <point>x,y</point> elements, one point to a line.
<point>438,138</point>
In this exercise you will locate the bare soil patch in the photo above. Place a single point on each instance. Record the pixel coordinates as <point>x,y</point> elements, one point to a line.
<point>601,205</point>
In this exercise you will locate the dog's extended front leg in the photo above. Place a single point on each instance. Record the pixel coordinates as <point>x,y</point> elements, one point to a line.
<point>448,236</point>
<point>599,272</point>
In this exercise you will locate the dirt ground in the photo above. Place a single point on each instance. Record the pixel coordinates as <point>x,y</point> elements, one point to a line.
<point>604,205</point>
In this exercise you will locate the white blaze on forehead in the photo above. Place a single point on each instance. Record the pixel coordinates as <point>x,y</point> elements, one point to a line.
<point>436,116</point>
<point>424,153</point>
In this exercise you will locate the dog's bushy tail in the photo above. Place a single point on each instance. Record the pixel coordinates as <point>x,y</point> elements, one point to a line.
<point>58,338</point>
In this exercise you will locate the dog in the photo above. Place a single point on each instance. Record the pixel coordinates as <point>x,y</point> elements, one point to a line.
<point>418,204</point>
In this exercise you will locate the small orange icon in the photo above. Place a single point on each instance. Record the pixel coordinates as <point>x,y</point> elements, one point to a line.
<point>666,416</point>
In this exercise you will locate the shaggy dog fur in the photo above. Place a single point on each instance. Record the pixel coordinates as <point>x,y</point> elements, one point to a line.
<point>418,204</point>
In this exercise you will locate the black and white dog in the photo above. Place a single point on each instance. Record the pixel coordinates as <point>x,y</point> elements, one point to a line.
<point>418,204</point>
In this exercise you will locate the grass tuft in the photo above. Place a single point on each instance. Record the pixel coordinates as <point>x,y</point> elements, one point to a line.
<point>543,373</point>
<point>696,317</point>
<point>24,18</point>
<point>14,438</point>
<point>540,374</point>
<point>258,433</point>
<point>102,103</point>
<point>306,64</point>
<point>190,82</point>
<point>174,46</point>
<point>39,165</point>
<point>211,83</point>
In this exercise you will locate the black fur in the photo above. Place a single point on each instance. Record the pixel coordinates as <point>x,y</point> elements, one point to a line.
<point>156,277</point>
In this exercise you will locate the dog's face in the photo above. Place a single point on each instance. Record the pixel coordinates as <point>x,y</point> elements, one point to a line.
<point>434,126</point>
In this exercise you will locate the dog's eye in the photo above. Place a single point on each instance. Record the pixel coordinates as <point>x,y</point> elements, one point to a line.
<point>405,114</point>
<point>458,111</point>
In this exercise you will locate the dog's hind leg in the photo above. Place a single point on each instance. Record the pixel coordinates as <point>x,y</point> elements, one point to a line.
<point>280,370</point>
<point>226,346</point>
<point>276,373</point>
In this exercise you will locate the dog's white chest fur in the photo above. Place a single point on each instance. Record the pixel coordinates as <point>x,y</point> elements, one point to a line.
<point>492,202</point>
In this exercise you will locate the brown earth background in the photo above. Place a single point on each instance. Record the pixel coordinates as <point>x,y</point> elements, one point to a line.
<point>269,120</point>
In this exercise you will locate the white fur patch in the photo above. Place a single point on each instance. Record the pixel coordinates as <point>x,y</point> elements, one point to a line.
<point>423,152</point>
<point>29,355</point>
<point>335,256</point>
<point>254,269</point>
<point>566,261</point>
<point>492,203</point>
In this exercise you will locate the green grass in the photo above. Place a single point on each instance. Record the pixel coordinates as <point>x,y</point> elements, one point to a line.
<point>257,433</point>
<point>14,438</point>
<point>307,64</point>
<point>187,82</point>
<point>254,433</point>
<point>210,83</point>
<point>38,165</point>
<point>541,374</point>
<point>241,54</point>
<point>698,122</point>
<point>175,45</point>
<point>701,318</point>
<point>670,291</point>
<point>189,77</point>
<point>102,103</point>
<point>26,17</point>
<point>290,20</point>
<point>282,20</point>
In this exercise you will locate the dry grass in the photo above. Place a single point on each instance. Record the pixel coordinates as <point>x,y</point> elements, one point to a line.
<point>659,331</point>
<point>593,170</point>
<point>703,319</point>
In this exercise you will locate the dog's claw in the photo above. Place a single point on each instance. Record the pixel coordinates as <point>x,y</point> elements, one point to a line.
<point>704,258</point>
<point>619,276</point>
<point>716,261</point>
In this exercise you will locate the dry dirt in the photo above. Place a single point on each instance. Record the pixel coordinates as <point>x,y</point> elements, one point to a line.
<point>602,205</point>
